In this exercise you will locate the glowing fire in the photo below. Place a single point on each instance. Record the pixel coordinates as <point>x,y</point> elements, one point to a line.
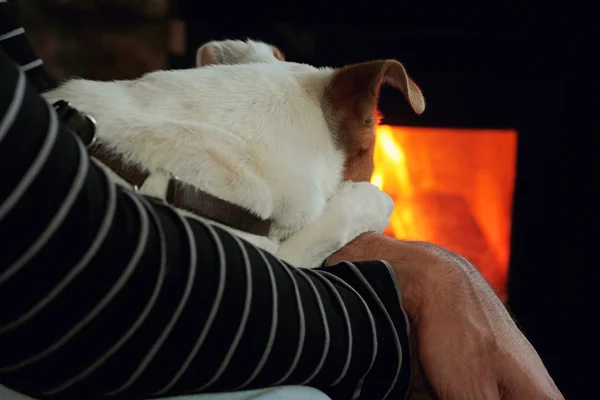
<point>452,187</point>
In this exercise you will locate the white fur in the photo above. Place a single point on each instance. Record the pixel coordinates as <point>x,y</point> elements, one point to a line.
<point>237,52</point>
<point>252,134</point>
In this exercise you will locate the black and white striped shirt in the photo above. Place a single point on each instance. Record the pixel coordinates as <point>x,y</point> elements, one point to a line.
<point>105,294</point>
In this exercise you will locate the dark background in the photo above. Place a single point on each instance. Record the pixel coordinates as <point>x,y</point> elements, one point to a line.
<point>527,70</point>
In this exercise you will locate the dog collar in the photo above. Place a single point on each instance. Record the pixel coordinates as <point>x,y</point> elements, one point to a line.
<point>179,194</point>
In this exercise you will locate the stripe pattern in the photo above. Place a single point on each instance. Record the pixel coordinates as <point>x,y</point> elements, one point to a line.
<point>113,295</point>
<point>14,42</point>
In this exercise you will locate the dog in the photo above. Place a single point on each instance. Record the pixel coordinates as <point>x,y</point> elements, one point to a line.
<point>248,132</point>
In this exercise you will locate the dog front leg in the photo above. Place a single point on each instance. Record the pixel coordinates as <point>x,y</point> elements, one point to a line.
<point>356,208</point>
<point>312,245</point>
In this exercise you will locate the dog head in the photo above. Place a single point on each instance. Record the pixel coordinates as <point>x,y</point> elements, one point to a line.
<point>237,52</point>
<point>351,96</point>
<point>304,129</point>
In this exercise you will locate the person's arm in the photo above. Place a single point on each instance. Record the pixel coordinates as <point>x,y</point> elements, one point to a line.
<point>103,293</point>
<point>465,342</point>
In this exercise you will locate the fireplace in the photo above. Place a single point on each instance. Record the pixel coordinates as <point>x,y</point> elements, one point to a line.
<point>451,187</point>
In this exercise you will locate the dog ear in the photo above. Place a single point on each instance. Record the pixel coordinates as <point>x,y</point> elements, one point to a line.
<point>357,86</point>
<point>230,52</point>
<point>206,54</point>
<point>277,53</point>
<point>351,98</point>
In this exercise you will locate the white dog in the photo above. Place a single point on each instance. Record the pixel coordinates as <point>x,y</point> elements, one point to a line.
<point>288,144</point>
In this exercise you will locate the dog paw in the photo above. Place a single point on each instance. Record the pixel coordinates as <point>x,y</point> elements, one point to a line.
<point>362,207</point>
<point>356,208</point>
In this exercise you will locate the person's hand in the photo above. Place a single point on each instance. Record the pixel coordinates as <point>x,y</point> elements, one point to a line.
<point>466,341</point>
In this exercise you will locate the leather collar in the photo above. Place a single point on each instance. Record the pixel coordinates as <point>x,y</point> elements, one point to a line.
<point>179,194</point>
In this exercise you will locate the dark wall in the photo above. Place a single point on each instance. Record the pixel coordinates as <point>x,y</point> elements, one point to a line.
<point>486,78</point>
<point>95,40</point>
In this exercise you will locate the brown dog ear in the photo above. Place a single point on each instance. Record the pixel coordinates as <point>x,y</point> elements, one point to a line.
<point>277,53</point>
<point>356,87</point>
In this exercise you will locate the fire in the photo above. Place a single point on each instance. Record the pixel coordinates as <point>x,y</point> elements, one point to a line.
<point>452,187</point>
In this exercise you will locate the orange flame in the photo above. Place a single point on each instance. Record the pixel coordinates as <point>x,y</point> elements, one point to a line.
<point>452,187</point>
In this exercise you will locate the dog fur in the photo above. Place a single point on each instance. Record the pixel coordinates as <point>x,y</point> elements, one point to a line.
<point>231,52</point>
<point>287,141</point>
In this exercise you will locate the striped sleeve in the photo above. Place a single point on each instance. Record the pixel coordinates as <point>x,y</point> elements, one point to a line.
<point>15,44</point>
<point>107,294</point>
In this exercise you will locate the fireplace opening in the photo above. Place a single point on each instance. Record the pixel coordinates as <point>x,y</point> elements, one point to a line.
<point>451,187</point>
